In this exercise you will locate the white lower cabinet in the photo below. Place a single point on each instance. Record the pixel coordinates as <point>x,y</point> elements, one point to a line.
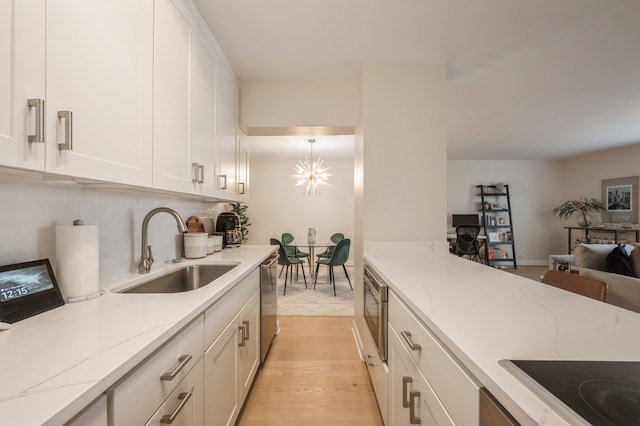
<point>411,399</point>
<point>445,392</point>
<point>231,363</point>
<point>185,405</point>
<point>179,385</point>
<point>137,397</point>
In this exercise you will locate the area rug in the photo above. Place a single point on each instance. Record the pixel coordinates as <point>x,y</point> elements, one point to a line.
<point>301,302</point>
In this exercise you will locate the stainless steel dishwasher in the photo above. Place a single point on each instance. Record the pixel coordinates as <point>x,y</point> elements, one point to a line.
<point>268,304</point>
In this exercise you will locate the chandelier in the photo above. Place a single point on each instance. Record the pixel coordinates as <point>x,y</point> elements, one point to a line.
<point>311,173</point>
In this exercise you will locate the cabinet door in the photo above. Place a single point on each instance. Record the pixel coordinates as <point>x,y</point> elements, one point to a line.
<point>410,396</point>
<point>99,68</point>
<point>203,114</point>
<point>221,371</point>
<point>250,350</point>
<point>173,34</point>
<point>184,103</point>
<point>227,119</point>
<point>22,67</point>
<point>243,169</point>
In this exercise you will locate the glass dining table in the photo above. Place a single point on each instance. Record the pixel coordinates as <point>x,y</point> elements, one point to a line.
<point>311,246</point>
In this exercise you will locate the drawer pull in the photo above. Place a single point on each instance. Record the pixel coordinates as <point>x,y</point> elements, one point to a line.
<point>407,338</point>
<point>183,361</point>
<point>246,329</point>
<point>241,328</point>
<point>167,419</point>
<point>412,408</point>
<point>406,380</point>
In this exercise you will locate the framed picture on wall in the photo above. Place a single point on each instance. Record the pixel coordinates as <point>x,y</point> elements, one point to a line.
<point>620,200</point>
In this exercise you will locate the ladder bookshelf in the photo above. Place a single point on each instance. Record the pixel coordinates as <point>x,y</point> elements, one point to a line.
<point>495,205</point>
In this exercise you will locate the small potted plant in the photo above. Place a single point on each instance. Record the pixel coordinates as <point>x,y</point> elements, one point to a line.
<point>582,206</point>
<point>241,210</point>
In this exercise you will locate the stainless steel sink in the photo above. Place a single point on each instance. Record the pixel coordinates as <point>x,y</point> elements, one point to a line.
<point>185,279</point>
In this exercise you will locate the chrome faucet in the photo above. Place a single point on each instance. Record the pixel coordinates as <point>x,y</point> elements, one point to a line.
<point>146,259</point>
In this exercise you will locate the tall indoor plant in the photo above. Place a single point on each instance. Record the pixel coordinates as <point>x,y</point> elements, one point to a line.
<point>582,206</point>
<point>241,210</point>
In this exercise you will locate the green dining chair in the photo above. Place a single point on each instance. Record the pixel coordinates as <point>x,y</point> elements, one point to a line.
<point>293,251</point>
<point>287,262</point>
<point>335,238</point>
<point>339,257</point>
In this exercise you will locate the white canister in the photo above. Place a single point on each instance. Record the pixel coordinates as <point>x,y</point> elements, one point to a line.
<point>195,245</point>
<point>210,244</point>
<point>217,242</point>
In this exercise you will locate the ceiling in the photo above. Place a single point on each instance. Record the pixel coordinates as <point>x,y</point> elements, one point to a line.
<point>527,79</point>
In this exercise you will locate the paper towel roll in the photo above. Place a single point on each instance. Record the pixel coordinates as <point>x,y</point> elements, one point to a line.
<point>77,262</point>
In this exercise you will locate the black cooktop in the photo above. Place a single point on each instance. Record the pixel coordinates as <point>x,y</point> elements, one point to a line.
<point>601,392</point>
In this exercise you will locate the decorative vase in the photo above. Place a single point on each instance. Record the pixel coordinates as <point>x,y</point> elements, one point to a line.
<point>583,220</point>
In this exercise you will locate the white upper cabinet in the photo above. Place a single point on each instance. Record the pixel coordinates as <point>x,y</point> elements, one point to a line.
<point>133,92</point>
<point>22,55</point>
<point>99,86</point>
<point>185,71</point>
<point>227,121</point>
<point>243,169</point>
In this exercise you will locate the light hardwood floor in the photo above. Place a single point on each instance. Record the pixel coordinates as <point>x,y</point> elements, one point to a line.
<point>312,376</point>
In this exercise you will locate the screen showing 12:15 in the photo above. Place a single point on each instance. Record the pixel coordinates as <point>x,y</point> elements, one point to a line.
<point>22,282</point>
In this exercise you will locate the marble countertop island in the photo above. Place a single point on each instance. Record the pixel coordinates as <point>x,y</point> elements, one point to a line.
<point>56,363</point>
<point>484,315</point>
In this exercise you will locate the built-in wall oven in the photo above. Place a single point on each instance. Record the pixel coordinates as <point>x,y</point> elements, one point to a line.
<point>375,309</point>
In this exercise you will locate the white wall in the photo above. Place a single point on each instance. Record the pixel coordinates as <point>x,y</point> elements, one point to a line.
<point>404,137</point>
<point>585,173</point>
<point>277,204</point>
<point>291,104</point>
<point>536,187</point>
<point>30,211</point>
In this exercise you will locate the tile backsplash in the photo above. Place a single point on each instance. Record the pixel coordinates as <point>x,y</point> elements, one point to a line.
<point>30,210</point>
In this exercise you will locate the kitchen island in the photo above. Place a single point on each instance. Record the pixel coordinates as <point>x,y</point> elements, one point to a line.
<point>483,315</point>
<point>58,362</point>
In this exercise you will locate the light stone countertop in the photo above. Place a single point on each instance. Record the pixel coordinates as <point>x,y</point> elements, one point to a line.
<point>485,315</point>
<point>56,363</point>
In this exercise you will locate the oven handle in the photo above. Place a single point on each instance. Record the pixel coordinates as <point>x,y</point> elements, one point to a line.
<point>373,290</point>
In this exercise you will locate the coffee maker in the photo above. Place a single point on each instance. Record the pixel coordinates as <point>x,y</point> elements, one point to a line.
<point>228,225</point>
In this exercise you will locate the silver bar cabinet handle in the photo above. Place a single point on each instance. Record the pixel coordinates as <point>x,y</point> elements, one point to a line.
<point>38,104</point>
<point>406,380</point>
<point>413,419</point>
<point>223,181</point>
<point>201,173</point>
<point>183,361</point>
<point>194,172</point>
<point>407,337</point>
<point>67,116</point>
<point>242,339</point>
<point>246,329</point>
<point>167,419</point>
<point>241,188</point>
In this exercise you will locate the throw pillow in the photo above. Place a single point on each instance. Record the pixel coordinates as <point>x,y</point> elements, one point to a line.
<point>619,262</point>
<point>592,256</point>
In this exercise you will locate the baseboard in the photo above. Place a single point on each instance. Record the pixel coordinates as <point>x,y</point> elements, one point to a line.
<point>358,340</point>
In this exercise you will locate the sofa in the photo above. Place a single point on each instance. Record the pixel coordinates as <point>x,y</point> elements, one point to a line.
<point>590,260</point>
